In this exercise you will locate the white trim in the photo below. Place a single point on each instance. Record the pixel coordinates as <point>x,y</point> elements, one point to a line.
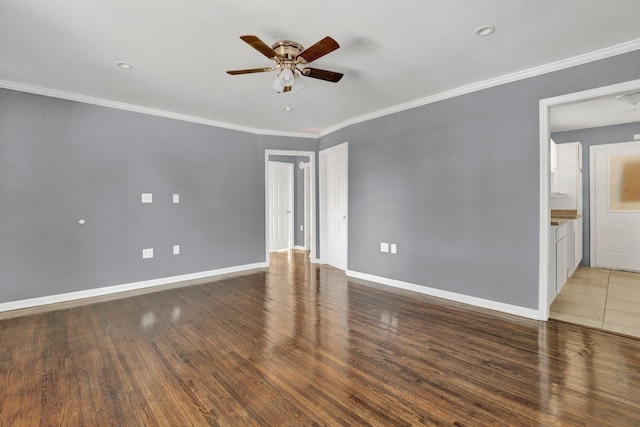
<point>452,296</point>
<point>545,105</point>
<point>322,160</point>
<point>299,248</point>
<point>37,90</point>
<point>544,214</point>
<point>89,293</point>
<point>507,78</point>
<point>312,162</point>
<point>592,207</point>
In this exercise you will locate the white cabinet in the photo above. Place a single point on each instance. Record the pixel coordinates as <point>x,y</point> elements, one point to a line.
<point>577,244</point>
<point>568,177</point>
<point>558,259</point>
<point>561,256</point>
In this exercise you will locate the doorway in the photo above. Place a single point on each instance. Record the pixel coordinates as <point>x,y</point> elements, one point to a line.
<point>302,218</point>
<point>545,134</point>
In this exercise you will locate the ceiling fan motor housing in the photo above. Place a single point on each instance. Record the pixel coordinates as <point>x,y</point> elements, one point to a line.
<point>287,50</point>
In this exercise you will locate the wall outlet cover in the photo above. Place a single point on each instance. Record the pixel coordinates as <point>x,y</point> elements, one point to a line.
<point>147,198</point>
<point>176,198</point>
<point>384,247</point>
<point>147,253</point>
<point>394,248</point>
<point>176,249</point>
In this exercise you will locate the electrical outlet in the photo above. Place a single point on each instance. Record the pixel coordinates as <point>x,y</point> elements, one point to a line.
<point>384,247</point>
<point>302,228</point>
<point>636,136</point>
<point>176,198</point>
<point>147,198</point>
<point>176,249</point>
<point>147,253</point>
<point>394,248</point>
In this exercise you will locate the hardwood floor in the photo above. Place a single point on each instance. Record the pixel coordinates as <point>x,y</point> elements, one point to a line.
<point>300,344</point>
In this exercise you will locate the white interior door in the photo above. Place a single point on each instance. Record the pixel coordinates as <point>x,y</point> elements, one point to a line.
<point>616,205</point>
<point>307,206</point>
<point>336,164</point>
<point>280,205</point>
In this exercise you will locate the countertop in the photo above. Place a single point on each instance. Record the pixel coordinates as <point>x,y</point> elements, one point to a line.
<point>559,217</point>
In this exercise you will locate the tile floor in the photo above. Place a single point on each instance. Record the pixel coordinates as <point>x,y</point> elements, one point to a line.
<point>606,299</point>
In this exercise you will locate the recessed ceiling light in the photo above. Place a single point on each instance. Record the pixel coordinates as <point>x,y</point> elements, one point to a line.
<point>485,31</point>
<point>124,65</point>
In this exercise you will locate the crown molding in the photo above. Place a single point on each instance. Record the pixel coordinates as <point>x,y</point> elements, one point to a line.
<point>508,78</point>
<point>70,96</point>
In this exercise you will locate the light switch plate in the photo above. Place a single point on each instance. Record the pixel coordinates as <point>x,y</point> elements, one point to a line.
<point>636,136</point>
<point>147,253</point>
<point>147,198</point>
<point>176,249</point>
<point>384,247</point>
<point>176,198</point>
<point>394,248</point>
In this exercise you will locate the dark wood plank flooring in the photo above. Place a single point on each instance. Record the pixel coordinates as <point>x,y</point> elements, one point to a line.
<point>300,344</point>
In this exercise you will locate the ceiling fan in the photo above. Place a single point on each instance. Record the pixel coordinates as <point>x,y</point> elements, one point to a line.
<point>289,56</point>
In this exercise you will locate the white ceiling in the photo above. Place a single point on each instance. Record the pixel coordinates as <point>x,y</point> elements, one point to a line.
<point>593,113</point>
<point>392,53</point>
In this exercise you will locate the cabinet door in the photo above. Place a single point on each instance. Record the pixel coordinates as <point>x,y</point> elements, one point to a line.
<point>577,243</point>
<point>561,263</point>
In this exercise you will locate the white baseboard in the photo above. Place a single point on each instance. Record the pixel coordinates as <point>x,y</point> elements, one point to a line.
<point>300,248</point>
<point>89,293</point>
<point>466,299</point>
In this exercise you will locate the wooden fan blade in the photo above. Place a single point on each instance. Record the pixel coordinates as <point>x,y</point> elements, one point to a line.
<point>324,46</point>
<point>249,71</point>
<point>330,76</point>
<point>260,46</point>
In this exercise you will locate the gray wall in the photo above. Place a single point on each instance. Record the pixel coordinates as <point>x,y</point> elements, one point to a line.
<point>62,161</point>
<point>298,194</point>
<point>589,137</point>
<point>456,185</point>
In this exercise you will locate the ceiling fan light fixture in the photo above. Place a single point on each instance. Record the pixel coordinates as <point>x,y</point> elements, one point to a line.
<point>278,84</point>
<point>298,84</point>
<point>287,77</point>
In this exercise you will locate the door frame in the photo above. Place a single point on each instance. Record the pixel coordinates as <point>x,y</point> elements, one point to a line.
<point>312,197</point>
<point>307,205</point>
<point>291,207</point>
<point>545,213</point>
<point>323,259</point>
<point>592,195</point>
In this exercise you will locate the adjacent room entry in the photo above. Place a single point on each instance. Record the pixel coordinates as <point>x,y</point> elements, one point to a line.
<point>334,203</point>
<point>280,205</point>
<point>615,205</point>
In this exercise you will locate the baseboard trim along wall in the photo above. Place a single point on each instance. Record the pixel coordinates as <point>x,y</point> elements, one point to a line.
<point>452,296</point>
<point>89,293</point>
